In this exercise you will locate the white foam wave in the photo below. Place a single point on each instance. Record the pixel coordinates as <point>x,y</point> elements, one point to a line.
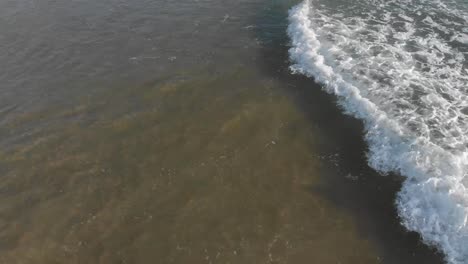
<point>400,66</point>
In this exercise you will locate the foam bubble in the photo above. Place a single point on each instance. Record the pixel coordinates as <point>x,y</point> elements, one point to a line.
<point>400,66</point>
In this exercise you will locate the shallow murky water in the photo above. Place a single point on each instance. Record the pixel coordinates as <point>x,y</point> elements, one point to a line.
<point>225,180</point>
<point>172,132</point>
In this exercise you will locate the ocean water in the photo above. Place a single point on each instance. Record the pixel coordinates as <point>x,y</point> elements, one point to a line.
<point>162,131</point>
<point>400,66</point>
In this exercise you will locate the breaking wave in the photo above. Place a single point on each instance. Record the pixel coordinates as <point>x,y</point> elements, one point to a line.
<point>401,67</point>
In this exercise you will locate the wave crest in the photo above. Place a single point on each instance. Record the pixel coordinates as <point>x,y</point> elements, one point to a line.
<point>406,77</point>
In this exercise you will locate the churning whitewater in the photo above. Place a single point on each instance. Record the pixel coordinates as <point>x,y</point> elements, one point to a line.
<point>401,66</point>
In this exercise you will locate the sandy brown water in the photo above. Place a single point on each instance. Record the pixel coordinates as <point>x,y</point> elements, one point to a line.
<point>213,154</point>
<point>223,181</point>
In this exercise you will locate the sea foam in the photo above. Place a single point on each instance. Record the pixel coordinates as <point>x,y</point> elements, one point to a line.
<point>401,67</point>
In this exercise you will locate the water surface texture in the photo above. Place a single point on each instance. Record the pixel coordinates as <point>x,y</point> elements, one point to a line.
<point>401,66</point>
<point>174,132</point>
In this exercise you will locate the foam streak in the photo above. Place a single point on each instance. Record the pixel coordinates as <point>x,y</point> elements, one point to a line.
<point>406,77</point>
